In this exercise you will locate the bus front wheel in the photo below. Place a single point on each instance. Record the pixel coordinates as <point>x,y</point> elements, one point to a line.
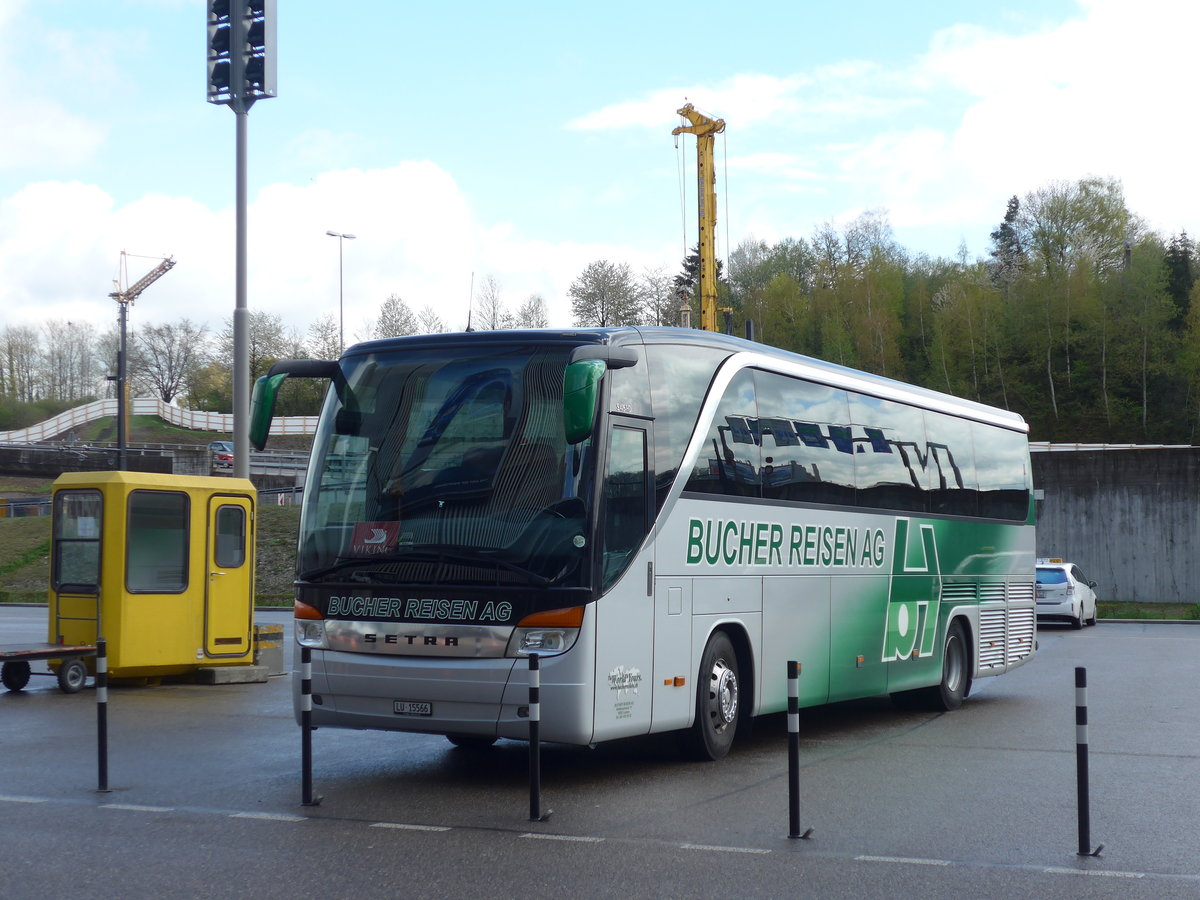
<point>718,700</point>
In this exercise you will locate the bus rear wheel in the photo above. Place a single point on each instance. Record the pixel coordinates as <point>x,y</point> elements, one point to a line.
<point>956,677</point>
<point>718,700</point>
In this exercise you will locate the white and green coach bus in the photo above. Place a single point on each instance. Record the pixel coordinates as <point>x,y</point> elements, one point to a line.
<point>664,516</point>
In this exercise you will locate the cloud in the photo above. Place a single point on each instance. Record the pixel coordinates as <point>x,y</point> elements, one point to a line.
<point>416,236</point>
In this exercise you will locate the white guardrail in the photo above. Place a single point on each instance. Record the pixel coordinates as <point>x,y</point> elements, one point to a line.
<point>197,420</point>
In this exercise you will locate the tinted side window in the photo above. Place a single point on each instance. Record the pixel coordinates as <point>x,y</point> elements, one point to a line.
<point>1002,464</point>
<point>889,454</point>
<point>729,461</point>
<point>679,380</point>
<point>953,487</point>
<point>808,454</point>
<point>624,500</point>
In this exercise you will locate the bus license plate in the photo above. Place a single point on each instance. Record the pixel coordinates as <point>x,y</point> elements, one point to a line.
<point>412,707</point>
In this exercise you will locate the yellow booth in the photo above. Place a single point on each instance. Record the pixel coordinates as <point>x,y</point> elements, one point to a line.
<point>160,566</point>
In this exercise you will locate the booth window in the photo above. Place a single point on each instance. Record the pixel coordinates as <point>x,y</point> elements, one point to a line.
<point>157,542</point>
<point>77,518</point>
<point>230,551</point>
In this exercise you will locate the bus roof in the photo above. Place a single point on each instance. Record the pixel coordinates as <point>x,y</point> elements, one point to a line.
<point>793,363</point>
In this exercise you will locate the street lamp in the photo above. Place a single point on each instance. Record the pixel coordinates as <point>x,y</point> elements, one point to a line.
<point>342,238</point>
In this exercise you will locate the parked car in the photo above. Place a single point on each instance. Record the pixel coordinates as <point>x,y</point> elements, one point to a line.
<point>1064,593</point>
<point>222,454</point>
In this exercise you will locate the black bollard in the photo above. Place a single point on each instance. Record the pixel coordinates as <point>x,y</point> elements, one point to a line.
<point>793,714</point>
<point>535,735</point>
<point>306,787</point>
<point>102,714</point>
<point>1081,764</point>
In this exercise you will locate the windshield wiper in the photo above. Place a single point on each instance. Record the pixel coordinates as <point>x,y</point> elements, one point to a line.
<point>450,553</point>
<point>342,563</point>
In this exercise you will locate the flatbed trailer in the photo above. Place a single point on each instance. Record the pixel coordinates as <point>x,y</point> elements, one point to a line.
<point>15,669</point>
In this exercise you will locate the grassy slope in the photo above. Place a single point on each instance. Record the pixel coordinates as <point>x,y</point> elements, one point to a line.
<point>25,562</point>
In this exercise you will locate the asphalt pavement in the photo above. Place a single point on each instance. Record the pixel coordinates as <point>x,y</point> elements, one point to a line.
<point>206,787</point>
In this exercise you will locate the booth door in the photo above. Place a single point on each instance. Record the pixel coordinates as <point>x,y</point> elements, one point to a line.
<point>229,605</point>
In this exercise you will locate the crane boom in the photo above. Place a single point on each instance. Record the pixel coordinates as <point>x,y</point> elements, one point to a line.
<point>134,291</point>
<point>705,130</point>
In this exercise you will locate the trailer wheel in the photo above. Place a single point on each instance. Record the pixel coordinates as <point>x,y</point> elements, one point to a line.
<point>72,675</point>
<point>15,675</point>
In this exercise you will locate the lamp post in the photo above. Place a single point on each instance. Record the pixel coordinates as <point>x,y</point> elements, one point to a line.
<point>342,238</point>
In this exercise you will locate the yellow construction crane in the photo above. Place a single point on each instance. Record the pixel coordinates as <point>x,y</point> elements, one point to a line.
<point>705,130</point>
<point>124,298</point>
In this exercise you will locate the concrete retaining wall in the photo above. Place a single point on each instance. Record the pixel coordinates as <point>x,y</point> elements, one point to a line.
<point>1130,519</point>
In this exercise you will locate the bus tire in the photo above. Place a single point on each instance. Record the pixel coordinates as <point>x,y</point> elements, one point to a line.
<point>718,700</point>
<point>956,676</point>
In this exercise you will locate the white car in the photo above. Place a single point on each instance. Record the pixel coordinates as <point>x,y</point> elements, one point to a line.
<point>1064,593</point>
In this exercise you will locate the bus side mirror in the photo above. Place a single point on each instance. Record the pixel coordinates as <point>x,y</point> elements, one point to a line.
<point>581,388</point>
<point>262,408</point>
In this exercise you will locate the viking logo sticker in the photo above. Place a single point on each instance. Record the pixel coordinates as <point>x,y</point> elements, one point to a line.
<point>914,593</point>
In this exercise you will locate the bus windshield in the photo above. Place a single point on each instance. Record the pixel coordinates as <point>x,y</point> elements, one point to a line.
<point>432,467</point>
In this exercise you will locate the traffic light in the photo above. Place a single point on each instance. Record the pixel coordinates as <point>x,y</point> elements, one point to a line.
<point>258,73</point>
<point>220,58</point>
<point>241,51</point>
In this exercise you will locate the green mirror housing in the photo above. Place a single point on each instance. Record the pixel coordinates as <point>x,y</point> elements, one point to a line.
<point>262,408</point>
<point>581,388</point>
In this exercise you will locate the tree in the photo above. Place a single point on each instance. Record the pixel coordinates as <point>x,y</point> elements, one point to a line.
<point>659,297</point>
<point>604,295</point>
<point>532,313</point>
<point>1008,253</point>
<point>395,319</point>
<point>20,349</point>
<point>1181,273</point>
<point>267,341</point>
<point>490,314</point>
<point>165,356</point>
<point>429,322</point>
<point>324,341</point>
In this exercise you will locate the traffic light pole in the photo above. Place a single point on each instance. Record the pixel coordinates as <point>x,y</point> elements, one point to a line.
<point>241,314</point>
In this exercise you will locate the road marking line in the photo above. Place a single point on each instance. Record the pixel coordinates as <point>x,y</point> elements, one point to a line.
<point>8,798</point>
<point>721,849</point>
<point>272,817</point>
<point>404,827</point>
<point>133,807</point>
<point>563,837</point>
<point>904,859</point>
<point>1062,871</point>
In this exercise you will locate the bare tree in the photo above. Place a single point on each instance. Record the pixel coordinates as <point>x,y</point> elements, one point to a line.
<point>167,355</point>
<point>20,348</point>
<point>532,313</point>
<point>429,322</point>
<point>659,297</point>
<point>490,314</point>
<point>69,364</point>
<point>605,295</point>
<point>324,341</point>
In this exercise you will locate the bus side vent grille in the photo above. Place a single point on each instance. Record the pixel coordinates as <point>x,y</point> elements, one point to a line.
<point>991,593</point>
<point>991,638</point>
<point>958,593</point>
<point>1021,629</point>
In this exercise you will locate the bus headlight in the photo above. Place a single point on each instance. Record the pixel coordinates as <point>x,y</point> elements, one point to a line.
<point>546,633</point>
<point>309,625</point>
<point>310,634</point>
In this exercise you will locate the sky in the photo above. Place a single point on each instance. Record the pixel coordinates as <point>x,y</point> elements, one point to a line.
<point>521,142</point>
